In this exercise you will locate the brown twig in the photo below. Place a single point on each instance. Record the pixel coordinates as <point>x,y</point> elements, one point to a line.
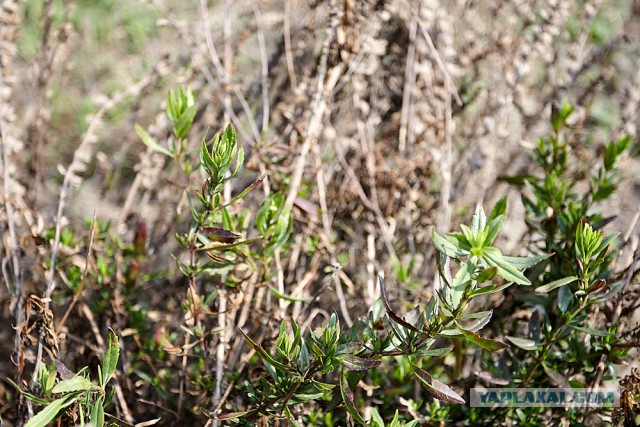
<point>287,45</point>
<point>319,106</point>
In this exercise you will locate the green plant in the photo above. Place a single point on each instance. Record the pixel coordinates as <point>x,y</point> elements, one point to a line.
<point>89,399</point>
<point>300,364</point>
<point>563,340</point>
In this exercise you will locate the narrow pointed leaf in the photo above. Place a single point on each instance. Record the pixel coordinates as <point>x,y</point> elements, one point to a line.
<point>479,220</point>
<point>556,284</point>
<point>97,413</point>
<point>235,415</point>
<point>77,383</point>
<point>523,343</point>
<point>355,363</point>
<point>376,419</point>
<point>151,143</point>
<point>469,235</point>
<point>556,378</point>
<point>436,352</point>
<point>461,282</point>
<point>525,262</point>
<point>347,397</point>
<point>286,297</point>
<point>592,331</point>
<point>487,274</point>
<point>493,257</point>
<point>435,388</point>
<point>181,128</point>
<point>205,156</point>
<point>348,348</point>
<point>493,228</point>
<point>446,247</point>
<point>239,162</point>
<point>50,412</point>
<point>499,209</point>
<point>218,234</point>
<point>485,343</point>
<point>243,193</point>
<point>323,386</point>
<point>482,319</point>
<point>111,355</point>
<point>31,397</point>
<point>606,242</point>
<point>390,312</point>
<point>486,376</point>
<point>491,289</point>
<point>263,353</point>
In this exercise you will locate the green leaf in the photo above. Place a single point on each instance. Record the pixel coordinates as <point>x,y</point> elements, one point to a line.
<point>285,296</point>
<point>305,397</point>
<point>355,363</point>
<point>482,319</point>
<point>500,208</point>
<point>243,193</point>
<point>485,343</point>
<point>50,412</point>
<point>397,268</point>
<point>559,114</point>
<point>172,106</point>
<point>97,413</point>
<point>507,271</point>
<point>435,388</point>
<point>151,143</point>
<point>376,419</point>
<point>392,314</point>
<point>111,355</point>
<point>266,357</point>
<point>493,228</point>
<point>556,378</point>
<point>523,343</point>
<point>458,240</point>
<point>77,383</point>
<point>491,289</point>
<point>181,128</point>
<point>613,291</point>
<point>469,235</point>
<point>479,220</point>
<point>449,333</point>
<point>323,386</point>
<point>606,242</point>
<point>564,298</point>
<point>487,274</point>
<point>592,331</point>
<point>235,415</point>
<point>460,282</point>
<point>436,352</point>
<point>525,262</point>
<point>446,247</point>
<point>206,160</point>
<point>490,378</point>
<point>556,284</point>
<point>347,398</point>
<point>348,348</point>
<point>28,395</point>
